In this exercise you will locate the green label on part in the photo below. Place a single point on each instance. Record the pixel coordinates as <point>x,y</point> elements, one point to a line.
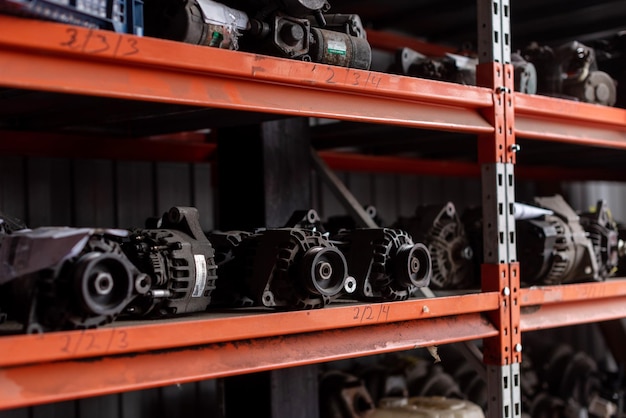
<point>336,47</point>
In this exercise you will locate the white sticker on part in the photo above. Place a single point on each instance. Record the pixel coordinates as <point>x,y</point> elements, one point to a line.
<point>198,288</point>
<point>337,47</point>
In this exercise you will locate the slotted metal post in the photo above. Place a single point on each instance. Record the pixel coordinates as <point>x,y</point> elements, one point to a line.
<point>500,270</point>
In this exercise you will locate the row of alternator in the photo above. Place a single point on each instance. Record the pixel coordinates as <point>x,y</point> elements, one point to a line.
<point>62,277</point>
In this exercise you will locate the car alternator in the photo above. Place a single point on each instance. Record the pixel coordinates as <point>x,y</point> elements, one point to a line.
<point>555,249</point>
<point>66,278</point>
<point>571,71</point>
<point>292,268</point>
<point>604,236</point>
<point>179,260</point>
<point>386,263</point>
<point>443,233</point>
<point>230,290</point>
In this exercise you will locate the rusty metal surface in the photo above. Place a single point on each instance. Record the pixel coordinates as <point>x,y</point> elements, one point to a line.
<point>561,120</point>
<point>536,317</point>
<point>543,295</point>
<point>72,379</point>
<point>209,328</point>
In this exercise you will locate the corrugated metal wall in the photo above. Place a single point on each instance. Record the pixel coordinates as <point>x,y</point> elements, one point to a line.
<point>103,193</point>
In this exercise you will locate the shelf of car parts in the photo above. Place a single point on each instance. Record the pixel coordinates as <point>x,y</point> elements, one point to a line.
<point>55,57</point>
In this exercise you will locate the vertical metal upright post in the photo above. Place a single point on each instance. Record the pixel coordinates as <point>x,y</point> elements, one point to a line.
<point>500,270</point>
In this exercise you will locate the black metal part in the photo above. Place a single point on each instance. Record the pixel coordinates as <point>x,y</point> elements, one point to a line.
<point>180,263</point>
<point>571,71</point>
<point>573,257</point>
<point>441,230</point>
<point>66,278</point>
<point>344,395</point>
<point>292,268</point>
<point>385,262</point>
<point>604,235</point>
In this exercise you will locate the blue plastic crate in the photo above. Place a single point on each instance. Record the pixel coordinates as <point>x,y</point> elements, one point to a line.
<point>125,16</point>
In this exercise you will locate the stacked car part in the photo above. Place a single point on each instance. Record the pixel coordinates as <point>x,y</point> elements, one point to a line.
<point>60,277</point>
<point>571,71</point>
<point>290,29</point>
<point>441,230</point>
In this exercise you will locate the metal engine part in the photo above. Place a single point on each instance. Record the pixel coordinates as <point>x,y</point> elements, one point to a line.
<point>604,235</point>
<point>525,74</point>
<point>581,77</point>
<point>458,68</point>
<point>179,260</point>
<point>569,382</point>
<point>292,268</point>
<point>555,249</point>
<point>443,233</point>
<point>343,395</point>
<point>67,278</point>
<point>415,64</point>
<point>571,71</point>
<point>386,263</point>
<point>229,290</point>
<point>289,29</point>
<point>199,22</point>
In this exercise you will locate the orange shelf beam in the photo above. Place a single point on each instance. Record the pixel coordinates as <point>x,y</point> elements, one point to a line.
<point>557,306</point>
<point>219,327</point>
<point>24,385</point>
<point>561,120</point>
<point>54,57</point>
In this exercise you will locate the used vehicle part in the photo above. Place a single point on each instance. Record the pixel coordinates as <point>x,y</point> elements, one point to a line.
<point>604,235</point>
<point>525,74</point>
<point>555,249</point>
<point>292,268</point>
<point>415,64</point>
<point>179,260</point>
<point>581,77</point>
<point>571,71</point>
<point>458,68</point>
<point>385,262</point>
<point>66,278</point>
<point>443,233</point>
<point>343,395</point>
<point>289,29</point>
<point>199,22</point>
<point>229,290</point>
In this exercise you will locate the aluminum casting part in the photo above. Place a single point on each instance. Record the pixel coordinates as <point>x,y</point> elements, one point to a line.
<point>180,262</point>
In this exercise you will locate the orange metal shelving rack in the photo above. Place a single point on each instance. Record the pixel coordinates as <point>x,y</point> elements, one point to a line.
<point>51,57</point>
